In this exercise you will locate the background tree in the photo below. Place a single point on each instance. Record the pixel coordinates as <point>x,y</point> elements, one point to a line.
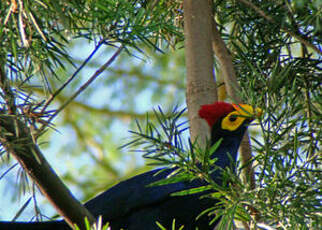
<point>276,53</point>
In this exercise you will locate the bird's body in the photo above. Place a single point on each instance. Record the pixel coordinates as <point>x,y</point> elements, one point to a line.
<point>151,203</point>
<point>134,205</point>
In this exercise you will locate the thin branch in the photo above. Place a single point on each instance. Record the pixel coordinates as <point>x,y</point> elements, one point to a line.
<point>22,31</point>
<point>8,95</point>
<point>135,73</point>
<point>123,114</point>
<point>13,9</point>
<point>308,104</point>
<point>146,77</point>
<point>83,87</point>
<point>117,113</point>
<point>302,39</point>
<point>72,77</point>
<point>8,170</point>
<point>227,67</point>
<point>233,90</point>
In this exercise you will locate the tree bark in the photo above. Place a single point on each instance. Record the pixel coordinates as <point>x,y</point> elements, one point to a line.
<point>201,85</point>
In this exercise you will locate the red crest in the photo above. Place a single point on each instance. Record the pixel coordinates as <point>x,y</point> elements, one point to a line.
<point>212,112</point>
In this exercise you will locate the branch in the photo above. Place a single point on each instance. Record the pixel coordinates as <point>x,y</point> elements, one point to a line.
<point>17,140</point>
<point>302,39</point>
<point>233,90</point>
<point>227,67</point>
<point>122,114</point>
<point>201,86</point>
<point>149,78</point>
<point>72,77</point>
<point>83,87</point>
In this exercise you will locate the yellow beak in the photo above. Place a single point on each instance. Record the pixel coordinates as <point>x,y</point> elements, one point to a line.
<point>248,111</point>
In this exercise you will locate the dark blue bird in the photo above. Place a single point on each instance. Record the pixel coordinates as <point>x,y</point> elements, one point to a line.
<point>133,205</point>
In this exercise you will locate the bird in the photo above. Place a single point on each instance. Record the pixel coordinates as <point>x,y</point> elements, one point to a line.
<point>133,204</point>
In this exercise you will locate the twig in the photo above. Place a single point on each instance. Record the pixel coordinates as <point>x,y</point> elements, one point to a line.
<point>8,95</point>
<point>8,170</point>
<point>21,26</point>
<point>13,9</point>
<point>308,108</point>
<point>83,87</point>
<point>72,77</point>
<point>271,20</point>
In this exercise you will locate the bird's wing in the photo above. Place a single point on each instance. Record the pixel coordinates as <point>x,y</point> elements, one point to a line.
<point>134,194</point>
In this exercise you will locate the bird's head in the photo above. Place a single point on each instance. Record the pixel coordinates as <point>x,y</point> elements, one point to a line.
<point>227,119</point>
<point>228,122</point>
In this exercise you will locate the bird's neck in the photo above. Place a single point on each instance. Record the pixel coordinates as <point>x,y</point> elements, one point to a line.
<point>226,153</point>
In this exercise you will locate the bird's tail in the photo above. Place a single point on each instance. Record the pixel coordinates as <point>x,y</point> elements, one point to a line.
<point>48,225</point>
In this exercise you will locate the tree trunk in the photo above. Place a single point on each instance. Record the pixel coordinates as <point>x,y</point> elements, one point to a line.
<point>201,85</point>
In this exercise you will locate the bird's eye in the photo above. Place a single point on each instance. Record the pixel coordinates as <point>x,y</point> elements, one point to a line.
<point>232,118</point>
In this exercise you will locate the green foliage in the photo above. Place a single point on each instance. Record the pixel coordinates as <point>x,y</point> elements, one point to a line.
<point>97,226</point>
<point>282,76</point>
<point>173,226</point>
<point>163,142</point>
<point>34,34</point>
<point>288,179</point>
<point>275,49</point>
